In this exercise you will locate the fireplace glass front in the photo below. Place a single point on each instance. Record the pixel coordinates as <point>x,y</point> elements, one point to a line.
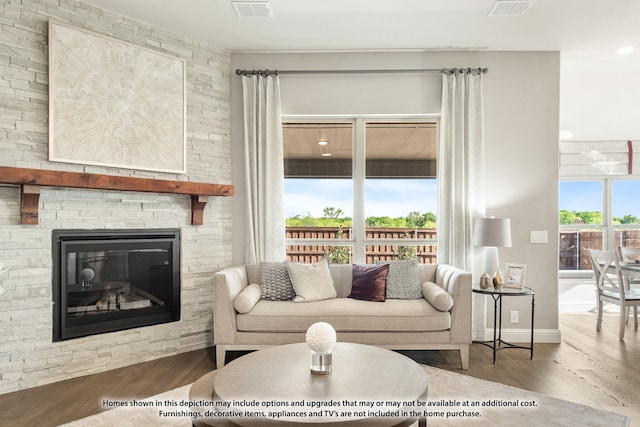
<point>111,280</point>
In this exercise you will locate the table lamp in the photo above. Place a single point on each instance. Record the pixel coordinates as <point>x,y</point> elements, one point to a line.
<point>493,233</point>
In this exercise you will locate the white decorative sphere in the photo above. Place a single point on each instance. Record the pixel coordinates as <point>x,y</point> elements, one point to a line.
<point>321,337</point>
<point>87,274</point>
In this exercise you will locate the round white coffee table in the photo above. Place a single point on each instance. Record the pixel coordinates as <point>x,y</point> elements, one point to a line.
<point>280,377</point>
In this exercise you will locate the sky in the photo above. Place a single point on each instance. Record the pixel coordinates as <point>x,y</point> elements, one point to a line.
<point>383,197</point>
<point>588,196</point>
<point>397,197</point>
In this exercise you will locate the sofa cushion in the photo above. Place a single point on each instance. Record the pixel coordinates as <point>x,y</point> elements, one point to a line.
<point>438,297</point>
<point>403,281</point>
<point>369,282</point>
<point>345,315</point>
<point>275,283</point>
<point>341,275</point>
<point>311,282</point>
<point>249,296</point>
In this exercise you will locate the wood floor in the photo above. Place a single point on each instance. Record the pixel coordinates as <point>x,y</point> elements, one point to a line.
<point>588,367</point>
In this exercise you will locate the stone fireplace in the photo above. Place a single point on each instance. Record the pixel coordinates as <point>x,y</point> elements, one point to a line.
<point>113,280</point>
<point>90,197</point>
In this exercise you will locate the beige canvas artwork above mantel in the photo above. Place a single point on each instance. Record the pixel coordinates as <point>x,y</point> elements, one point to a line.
<point>114,104</point>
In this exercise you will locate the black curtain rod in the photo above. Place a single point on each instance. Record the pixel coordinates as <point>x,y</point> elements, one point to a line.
<point>268,72</point>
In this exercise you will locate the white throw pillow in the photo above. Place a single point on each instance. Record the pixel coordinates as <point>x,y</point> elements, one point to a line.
<point>312,282</point>
<point>249,296</point>
<point>439,298</point>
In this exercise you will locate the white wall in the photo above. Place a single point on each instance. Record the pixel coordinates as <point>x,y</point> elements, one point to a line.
<point>521,100</point>
<point>521,122</point>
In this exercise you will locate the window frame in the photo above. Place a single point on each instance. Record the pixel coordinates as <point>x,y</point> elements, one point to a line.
<point>358,241</point>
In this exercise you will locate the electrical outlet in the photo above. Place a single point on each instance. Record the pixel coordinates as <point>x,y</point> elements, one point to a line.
<point>515,316</point>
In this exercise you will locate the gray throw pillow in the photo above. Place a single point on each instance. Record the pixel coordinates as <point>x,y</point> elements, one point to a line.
<point>403,280</point>
<point>275,284</point>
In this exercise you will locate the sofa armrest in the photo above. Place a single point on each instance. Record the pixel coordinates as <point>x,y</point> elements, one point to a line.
<point>458,283</point>
<point>227,285</point>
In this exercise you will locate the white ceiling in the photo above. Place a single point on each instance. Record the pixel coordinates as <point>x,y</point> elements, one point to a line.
<point>600,89</point>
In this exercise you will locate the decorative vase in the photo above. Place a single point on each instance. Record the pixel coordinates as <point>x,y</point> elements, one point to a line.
<point>484,281</point>
<point>321,337</point>
<point>498,283</point>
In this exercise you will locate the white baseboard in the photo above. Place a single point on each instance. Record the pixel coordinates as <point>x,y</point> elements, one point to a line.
<point>524,335</point>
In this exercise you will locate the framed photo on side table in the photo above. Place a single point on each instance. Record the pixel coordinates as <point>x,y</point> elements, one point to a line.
<point>515,275</point>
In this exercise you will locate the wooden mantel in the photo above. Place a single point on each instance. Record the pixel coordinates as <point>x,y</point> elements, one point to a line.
<point>30,181</point>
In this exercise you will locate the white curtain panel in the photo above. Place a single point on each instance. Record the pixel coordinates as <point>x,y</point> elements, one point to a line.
<point>264,170</point>
<point>461,180</point>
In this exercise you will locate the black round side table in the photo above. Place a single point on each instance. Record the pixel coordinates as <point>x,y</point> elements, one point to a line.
<point>498,343</point>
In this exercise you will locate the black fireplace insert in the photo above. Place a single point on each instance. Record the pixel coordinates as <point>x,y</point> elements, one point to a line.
<point>112,280</point>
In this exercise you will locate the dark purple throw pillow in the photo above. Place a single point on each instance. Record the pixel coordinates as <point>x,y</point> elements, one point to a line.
<point>369,282</point>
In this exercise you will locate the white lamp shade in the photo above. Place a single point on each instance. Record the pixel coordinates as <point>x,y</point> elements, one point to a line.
<point>492,232</point>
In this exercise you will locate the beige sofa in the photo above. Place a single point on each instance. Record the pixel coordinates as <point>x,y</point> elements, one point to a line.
<point>400,324</point>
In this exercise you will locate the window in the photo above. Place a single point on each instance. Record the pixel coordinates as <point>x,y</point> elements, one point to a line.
<point>581,222</point>
<point>360,190</point>
<point>599,203</point>
<point>318,188</point>
<point>400,190</point>
<point>625,208</point>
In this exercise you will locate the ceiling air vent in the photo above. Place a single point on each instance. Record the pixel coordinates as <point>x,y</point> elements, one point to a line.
<point>252,9</point>
<point>510,8</point>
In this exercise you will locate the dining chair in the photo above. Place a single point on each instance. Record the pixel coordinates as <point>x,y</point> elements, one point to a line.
<point>630,255</point>
<point>612,287</point>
